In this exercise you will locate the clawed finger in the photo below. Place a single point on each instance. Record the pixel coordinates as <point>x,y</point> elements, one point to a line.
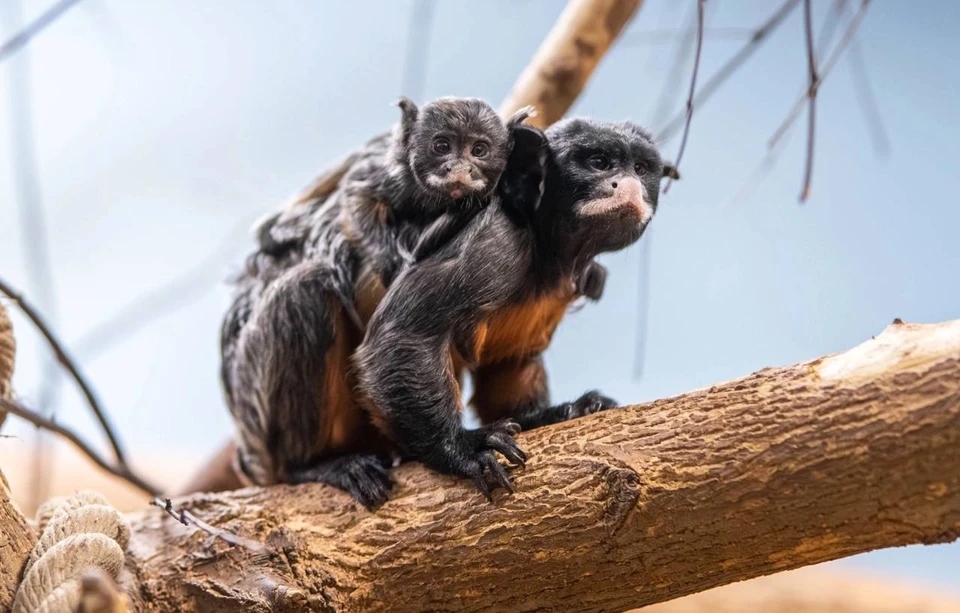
<point>498,472</point>
<point>481,484</point>
<point>508,447</point>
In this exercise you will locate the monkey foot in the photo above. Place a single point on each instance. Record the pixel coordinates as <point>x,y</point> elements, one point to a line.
<point>363,476</point>
<point>479,462</point>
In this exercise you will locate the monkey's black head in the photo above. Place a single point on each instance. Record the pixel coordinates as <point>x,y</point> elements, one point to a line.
<point>454,147</point>
<point>602,184</point>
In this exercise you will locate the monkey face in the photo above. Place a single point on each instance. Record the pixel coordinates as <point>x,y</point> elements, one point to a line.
<point>602,183</point>
<point>458,148</point>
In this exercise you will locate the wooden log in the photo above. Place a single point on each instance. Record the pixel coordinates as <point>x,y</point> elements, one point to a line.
<point>567,58</point>
<point>781,469</point>
<point>16,541</point>
<point>8,350</point>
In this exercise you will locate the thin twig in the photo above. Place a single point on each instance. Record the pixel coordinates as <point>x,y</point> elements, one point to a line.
<point>673,83</point>
<point>731,66</point>
<point>123,472</point>
<point>824,72</point>
<point>187,518</point>
<point>656,37</point>
<point>868,101</point>
<point>693,89</point>
<point>21,38</point>
<point>69,364</point>
<point>812,94</point>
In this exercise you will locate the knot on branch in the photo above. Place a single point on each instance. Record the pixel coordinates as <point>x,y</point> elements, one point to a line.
<point>79,534</point>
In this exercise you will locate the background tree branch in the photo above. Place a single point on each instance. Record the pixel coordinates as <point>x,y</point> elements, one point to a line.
<point>784,468</point>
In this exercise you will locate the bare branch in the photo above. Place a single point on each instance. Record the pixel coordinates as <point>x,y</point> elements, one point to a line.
<point>187,518</point>
<point>69,364</point>
<point>21,38</point>
<point>812,95</point>
<point>693,88</point>
<point>868,101</point>
<point>657,37</point>
<point>732,65</point>
<point>825,70</point>
<point>123,472</point>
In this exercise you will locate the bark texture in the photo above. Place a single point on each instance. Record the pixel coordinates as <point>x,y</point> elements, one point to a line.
<point>8,348</point>
<point>781,469</point>
<point>16,541</point>
<point>567,57</point>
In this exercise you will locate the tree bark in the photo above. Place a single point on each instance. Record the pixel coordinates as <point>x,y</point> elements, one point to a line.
<point>8,347</point>
<point>16,541</point>
<point>567,58</point>
<point>784,468</point>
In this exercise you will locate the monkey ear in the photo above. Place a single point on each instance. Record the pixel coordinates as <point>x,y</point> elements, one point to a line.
<point>408,113</point>
<point>670,171</point>
<point>520,116</point>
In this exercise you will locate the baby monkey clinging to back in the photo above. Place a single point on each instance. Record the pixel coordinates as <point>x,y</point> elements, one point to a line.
<point>440,168</point>
<point>286,347</point>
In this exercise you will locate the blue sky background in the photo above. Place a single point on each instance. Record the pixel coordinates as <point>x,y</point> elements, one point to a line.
<point>165,128</point>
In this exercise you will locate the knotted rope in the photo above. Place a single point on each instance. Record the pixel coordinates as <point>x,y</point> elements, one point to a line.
<point>76,534</point>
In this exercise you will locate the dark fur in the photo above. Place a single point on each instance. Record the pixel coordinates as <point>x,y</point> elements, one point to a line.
<point>287,339</point>
<point>524,253</point>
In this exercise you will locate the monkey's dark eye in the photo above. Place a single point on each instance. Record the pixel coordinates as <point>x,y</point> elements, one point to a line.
<point>480,150</point>
<point>599,162</point>
<point>441,145</point>
<point>641,168</point>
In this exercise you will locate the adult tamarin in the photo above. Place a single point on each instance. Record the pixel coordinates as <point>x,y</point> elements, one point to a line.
<point>318,274</point>
<point>490,300</point>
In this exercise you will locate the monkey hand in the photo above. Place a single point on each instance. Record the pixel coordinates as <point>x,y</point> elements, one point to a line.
<point>588,404</point>
<point>473,456</point>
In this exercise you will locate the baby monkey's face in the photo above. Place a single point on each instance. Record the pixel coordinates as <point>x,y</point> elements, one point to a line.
<point>458,148</point>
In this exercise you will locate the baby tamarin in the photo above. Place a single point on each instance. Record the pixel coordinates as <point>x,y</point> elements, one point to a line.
<point>442,165</point>
<point>288,337</point>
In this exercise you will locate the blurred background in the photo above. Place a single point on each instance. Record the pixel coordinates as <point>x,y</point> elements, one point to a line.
<point>140,140</point>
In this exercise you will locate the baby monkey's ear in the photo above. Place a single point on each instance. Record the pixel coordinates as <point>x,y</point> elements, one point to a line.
<point>408,116</point>
<point>520,116</point>
<point>670,171</point>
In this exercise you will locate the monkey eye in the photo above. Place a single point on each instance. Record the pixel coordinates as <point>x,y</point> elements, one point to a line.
<point>480,150</point>
<point>599,162</point>
<point>441,145</point>
<point>641,168</point>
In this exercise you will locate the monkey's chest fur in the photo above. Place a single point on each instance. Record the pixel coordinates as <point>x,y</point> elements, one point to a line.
<point>520,330</point>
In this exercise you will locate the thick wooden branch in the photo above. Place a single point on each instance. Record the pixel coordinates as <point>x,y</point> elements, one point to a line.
<point>16,541</point>
<point>567,58</point>
<point>8,350</point>
<point>784,468</point>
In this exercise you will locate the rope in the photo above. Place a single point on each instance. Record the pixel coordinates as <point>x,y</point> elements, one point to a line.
<point>77,533</point>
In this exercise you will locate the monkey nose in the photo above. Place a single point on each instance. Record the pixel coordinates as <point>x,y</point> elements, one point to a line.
<point>447,167</point>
